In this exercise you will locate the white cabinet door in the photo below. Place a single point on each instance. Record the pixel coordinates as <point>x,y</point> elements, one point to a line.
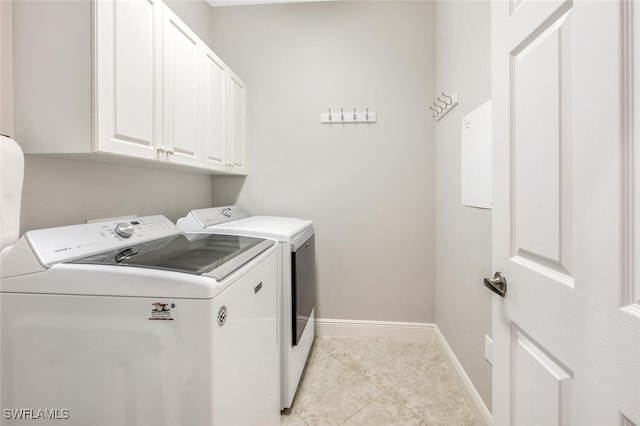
<point>128,77</point>
<point>237,124</point>
<point>214,112</point>
<point>182,52</point>
<point>567,333</point>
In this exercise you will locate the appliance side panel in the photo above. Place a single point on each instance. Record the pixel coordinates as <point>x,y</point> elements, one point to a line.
<point>245,349</point>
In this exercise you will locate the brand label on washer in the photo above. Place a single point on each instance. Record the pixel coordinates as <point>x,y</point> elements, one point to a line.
<point>161,311</point>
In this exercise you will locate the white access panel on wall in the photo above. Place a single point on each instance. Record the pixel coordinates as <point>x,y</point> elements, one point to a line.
<point>476,157</point>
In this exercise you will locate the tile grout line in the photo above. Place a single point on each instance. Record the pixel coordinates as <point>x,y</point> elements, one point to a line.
<point>381,390</point>
<point>395,385</point>
<point>356,412</point>
<point>342,353</point>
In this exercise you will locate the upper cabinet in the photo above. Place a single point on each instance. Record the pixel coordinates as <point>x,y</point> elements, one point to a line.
<point>129,78</point>
<point>224,116</point>
<point>182,51</point>
<point>214,112</point>
<point>236,123</point>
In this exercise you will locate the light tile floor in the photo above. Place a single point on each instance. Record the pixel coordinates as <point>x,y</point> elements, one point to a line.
<point>377,381</point>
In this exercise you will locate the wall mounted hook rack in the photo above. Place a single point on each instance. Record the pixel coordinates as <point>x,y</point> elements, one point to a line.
<point>443,104</point>
<point>350,116</point>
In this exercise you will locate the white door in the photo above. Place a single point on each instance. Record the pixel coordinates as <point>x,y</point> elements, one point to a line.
<point>237,124</point>
<point>182,63</point>
<point>128,77</point>
<point>214,114</point>
<point>567,332</point>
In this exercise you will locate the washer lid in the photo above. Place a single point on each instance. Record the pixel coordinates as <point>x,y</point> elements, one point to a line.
<point>199,254</point>
<point>67,243</point>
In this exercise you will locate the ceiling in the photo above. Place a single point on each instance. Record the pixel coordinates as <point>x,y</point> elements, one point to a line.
<point>218,3</point>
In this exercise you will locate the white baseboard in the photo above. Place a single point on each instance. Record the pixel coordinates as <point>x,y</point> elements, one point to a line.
<point>409,330</point>
<point>353,328</point>
<point>473,397</point>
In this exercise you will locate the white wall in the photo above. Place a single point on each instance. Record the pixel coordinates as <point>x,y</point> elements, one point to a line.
<point>463,234</point>
<point>368,188</point>
<point>196,14</point>
<point>61,192</point>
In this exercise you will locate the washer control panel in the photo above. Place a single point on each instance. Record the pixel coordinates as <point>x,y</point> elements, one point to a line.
<point>67,243</point>
<point>125,229</point>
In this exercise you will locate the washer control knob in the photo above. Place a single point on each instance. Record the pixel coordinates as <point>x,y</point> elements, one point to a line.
<point>125,229</point>
<point>226,212</point>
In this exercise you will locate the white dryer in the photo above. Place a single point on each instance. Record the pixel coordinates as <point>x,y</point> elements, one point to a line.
<point>296,274</point>
<point>134,323</point>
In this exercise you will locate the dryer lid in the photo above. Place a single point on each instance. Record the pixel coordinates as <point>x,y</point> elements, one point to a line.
<point>282,229</point>
<point>235,220</point>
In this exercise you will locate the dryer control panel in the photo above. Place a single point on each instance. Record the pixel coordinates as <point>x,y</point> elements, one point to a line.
<point>66,243</point>
<point>203,218</point>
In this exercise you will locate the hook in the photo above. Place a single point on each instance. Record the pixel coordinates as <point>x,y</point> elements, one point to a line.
<point>329,114</point>
<point>439,100</point>
<point>450,98</point>
<point>341,114</point>
<point>355,117</point>
<point>445,102</point>
<point>437,113</point>
<point>440,109</point>
<point>367,115</point>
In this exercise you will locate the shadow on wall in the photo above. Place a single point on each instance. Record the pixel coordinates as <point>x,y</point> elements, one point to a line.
<point>226,189</point>
<point>59,192</point>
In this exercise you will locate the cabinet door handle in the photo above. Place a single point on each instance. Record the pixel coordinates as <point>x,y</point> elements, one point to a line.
<point>162,149</point>
<point>171,151</point>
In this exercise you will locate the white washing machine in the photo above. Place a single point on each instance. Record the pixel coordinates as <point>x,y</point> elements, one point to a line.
<point>134,323</point>
<point>296,274</point>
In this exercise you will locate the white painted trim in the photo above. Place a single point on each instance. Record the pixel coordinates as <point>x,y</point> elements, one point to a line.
<point>409,330</point>
<point>473,397</point>
<point>355,328</point>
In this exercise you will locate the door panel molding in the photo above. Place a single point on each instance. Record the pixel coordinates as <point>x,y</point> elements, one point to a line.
<point>541,148</point>
<point>630,46</point>
<point>542,265</point>
<point>552,393</point>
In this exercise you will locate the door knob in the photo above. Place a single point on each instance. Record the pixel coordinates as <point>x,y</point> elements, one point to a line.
<point>497,284</point>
